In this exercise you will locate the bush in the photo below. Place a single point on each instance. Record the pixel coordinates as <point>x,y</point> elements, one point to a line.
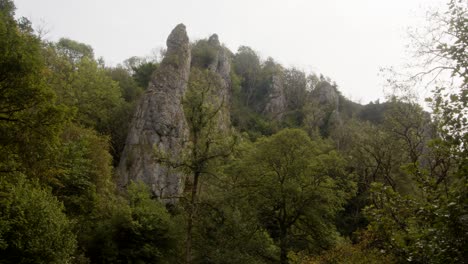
<point>136,230</point>
<point>33,227</point>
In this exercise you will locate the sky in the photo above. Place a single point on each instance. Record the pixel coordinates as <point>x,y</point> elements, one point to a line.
<point>347,40</point>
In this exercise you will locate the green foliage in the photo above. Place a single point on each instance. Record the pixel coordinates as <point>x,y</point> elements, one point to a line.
<point>247,65</point>
<point>121,118</point>
<point>407,122</point>
<point>377,153</point>
<point>30,122</point>
<point>428,224</point>
<point>99,98</point>
<point>299,185</point>
<point>295,84</point>
<point>228,232</point>
<point>347,253</point>
<point>143,72</point>
<point>420,219</point>
<point>455,47</point>
<point>149,237</point>
<point>210,141</point>
<point>280,199</point>
<point>95,94</point>
<point>348,108</point>
<point>227,229</point>
<point>33,227</point>
<point>425,230</point>
<point>74,50</point>
<point>264,84</point>
<point>203,111</point>
<point>373,112</point>
<point>203,54</point>
<point>83,85</point>
<point>84,170</point>
<point>141,69</point>
<point>254,124</point>
<point>129,88</point>
<point>251,87</point>
<point>135,230</point>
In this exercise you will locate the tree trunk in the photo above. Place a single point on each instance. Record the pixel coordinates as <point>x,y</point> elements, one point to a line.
<point>188,242</point>
<point>283,247</point>
<point>191,215</point>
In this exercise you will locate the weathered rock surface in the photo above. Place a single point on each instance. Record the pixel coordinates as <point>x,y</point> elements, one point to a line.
<point>221,65</point>
<point>276,103</point>
<point>159,122</point>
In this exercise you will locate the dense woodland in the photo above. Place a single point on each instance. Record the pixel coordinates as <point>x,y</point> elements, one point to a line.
<point>326,181</point>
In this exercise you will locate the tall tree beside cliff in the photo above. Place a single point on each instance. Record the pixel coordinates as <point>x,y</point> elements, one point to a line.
<point>30,122</point>
<point>83,84</point>
<point>298,186</point>
<point>33,227</point>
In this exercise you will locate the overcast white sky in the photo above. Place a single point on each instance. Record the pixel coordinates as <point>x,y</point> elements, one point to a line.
<point>348,40</point>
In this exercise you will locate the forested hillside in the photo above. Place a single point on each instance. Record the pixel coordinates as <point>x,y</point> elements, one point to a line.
<point>215,156</point>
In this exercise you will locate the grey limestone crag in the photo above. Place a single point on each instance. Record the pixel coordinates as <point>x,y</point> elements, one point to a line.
<point>159,122</point>
<point>328,99</point>
<point>221,65</point>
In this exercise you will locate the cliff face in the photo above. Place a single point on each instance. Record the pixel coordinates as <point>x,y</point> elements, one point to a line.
<point>159,121</point>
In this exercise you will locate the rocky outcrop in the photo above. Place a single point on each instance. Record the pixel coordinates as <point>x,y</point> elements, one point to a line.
<point>159,122</point>
<point>222,66</point>
<point>276,104</point>
<point>221,63</point>
<point>326,95</point>
<point>327,99</point>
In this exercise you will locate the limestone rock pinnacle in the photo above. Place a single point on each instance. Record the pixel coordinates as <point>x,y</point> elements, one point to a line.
<point>221,65</point>
<point>159,122</point>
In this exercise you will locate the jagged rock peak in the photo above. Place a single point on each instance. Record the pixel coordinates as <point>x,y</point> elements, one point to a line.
<point>178,47</point>
<point>214,40</point>
<point>221,65</point>
<point>178,39</point>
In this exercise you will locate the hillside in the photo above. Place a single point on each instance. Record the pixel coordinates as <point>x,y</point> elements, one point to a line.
<point>210,155</point>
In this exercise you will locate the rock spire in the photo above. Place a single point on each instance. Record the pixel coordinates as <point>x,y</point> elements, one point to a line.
<point>159,122</point>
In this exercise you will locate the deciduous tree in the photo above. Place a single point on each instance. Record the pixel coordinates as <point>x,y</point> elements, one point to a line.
<point>299,185</point>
